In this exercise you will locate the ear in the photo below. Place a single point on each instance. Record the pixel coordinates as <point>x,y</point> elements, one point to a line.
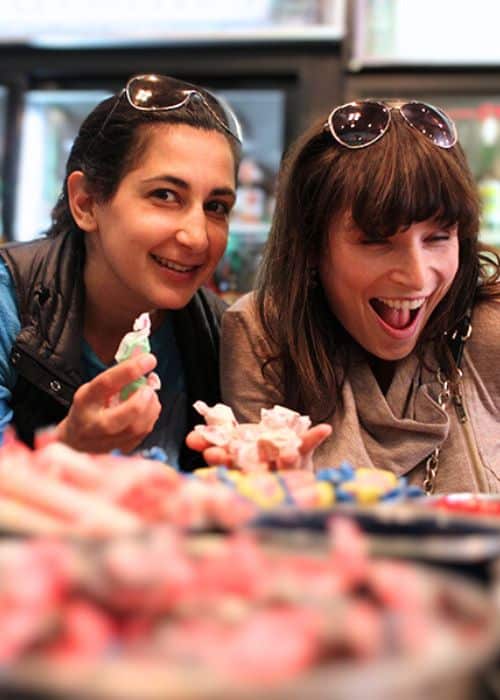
<point>81,201</point>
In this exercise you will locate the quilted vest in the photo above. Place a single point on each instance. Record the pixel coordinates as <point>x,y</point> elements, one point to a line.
<point>48,279</point>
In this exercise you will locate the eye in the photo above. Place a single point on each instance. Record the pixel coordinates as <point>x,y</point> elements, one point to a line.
<point>165,195</point>
<point>439,236</point>
<point>218,207</point>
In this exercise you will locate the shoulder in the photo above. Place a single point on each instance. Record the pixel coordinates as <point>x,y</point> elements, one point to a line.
<point>242,313</point>
<point>485,325</point>
<point>26,251</point>
<point>482,346</point>
<point>5,276</point>
<point>244,306</point>
<point>8,299</point>
<point>241,324</point>
<point>10,323</point>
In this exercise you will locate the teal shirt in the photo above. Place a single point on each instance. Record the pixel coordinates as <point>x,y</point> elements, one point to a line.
<point>170,429</point>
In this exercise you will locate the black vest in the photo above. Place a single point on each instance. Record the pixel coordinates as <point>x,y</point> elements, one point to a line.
<point>48,278</point>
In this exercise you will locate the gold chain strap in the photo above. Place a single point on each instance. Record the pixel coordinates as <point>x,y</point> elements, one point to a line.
<point>432,463</point>
<point>449,391</point>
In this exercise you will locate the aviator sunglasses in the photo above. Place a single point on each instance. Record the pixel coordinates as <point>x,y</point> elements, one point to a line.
<point>361,123</point>
<point>160,93</point>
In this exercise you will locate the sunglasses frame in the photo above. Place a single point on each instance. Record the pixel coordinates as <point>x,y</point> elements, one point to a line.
<point>190,93</point>
<point>387,109</point>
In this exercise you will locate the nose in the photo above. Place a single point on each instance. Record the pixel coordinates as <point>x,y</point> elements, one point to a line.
<point>410,269</point>
<point>192,232</point>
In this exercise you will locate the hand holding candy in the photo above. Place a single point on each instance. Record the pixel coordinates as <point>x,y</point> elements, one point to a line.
<point>97,423</point>
<point>282,440</point>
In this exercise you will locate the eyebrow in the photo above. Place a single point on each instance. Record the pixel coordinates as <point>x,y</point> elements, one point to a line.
<point>179,182</point>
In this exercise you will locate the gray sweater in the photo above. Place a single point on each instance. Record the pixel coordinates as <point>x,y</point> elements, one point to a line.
<point>398,430</point>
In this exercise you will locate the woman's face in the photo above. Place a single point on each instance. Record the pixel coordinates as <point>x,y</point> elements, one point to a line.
<point>161,235</point>
<point>384,292</point>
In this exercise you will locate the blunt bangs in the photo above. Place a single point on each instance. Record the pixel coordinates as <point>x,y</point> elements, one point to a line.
<point>402,179</point>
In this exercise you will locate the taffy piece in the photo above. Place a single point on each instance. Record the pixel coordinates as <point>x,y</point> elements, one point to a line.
<point>255,446</point>
<point>134,343</point>
<point>220,414</point>
<point>281,417</point>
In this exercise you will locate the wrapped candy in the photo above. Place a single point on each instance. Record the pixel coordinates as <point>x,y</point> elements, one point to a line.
<point>254,446</point>
<point>134,343</point>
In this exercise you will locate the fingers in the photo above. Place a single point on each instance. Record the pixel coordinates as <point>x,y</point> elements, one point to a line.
<point>289,458</point>
<point>314,437</point>
<point>94,425</point>
<point>196,442</point>
<point>110,382</point>
<point>217,455</point>
<point>137,414</point>
<point>211,454</point>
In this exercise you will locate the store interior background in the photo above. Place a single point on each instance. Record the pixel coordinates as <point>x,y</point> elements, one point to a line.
<point>281,64</point>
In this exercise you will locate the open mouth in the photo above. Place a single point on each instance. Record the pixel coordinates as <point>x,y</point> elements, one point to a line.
<point>171,265</point>
<point>397,313</point>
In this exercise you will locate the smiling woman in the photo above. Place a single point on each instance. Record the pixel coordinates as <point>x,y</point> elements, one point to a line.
<point>364,297</point>
<point>139,227</point>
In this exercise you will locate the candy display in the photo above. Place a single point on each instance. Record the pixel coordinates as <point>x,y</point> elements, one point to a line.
<point>467,504</point>
<point>145,582</point>
<point>305,489</point>
<point>57,489</point>
<point>229,615</point>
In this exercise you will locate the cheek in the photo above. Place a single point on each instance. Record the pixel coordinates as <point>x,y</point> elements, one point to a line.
<point>450,270</point>
<point>218,243</point>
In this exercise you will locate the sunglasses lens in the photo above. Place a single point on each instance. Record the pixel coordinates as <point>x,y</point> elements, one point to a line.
<point>159,92</point>
<point>431,122</point>
<point>155,92</point>
<point>359,124</point>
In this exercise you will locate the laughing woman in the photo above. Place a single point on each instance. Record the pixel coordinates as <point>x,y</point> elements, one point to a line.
<point>140,226</point>
<point>375,310</point>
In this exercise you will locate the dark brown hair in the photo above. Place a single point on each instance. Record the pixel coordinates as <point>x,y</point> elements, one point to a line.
<point>112,138</point>
<point>400,179</point>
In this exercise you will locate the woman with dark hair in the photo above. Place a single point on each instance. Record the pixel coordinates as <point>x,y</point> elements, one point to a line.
<point>376,309</point>
<point>140,226</point>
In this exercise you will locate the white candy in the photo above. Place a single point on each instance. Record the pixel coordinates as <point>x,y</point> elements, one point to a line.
<point>253,446</point>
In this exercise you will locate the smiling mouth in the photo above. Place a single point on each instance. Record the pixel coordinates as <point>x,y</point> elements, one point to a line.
<point>171,265</point>
<point>397,313</point>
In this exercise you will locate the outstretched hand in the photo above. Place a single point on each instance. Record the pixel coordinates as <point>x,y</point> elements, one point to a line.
<point>95,424</point>
<point>290,459</point>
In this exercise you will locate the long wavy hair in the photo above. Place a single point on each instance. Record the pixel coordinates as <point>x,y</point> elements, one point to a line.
<point>400,179</point>
<point>110,142</point>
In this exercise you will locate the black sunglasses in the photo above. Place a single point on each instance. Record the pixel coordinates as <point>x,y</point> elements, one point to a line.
<point>361,123</point>
<point>160,93</point>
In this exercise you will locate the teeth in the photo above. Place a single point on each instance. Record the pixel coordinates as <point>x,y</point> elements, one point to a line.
<point>402,303</point>
<point>172,265</point>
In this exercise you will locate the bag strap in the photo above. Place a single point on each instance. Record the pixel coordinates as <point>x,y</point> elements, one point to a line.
<point>459,336</point>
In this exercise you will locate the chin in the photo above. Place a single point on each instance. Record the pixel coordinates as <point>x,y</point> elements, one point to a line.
<point>394,355</point>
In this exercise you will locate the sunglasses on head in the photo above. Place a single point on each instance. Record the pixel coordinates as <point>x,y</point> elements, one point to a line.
<point>160,93</point>
<point>361,123</point>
